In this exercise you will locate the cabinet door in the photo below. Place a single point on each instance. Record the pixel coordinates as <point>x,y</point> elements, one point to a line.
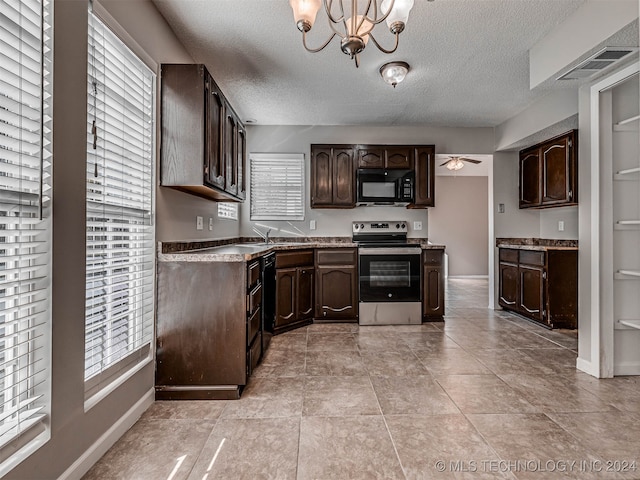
<point>557,171</point>
<point>285,296</point>
<point>336,292</point>
<point>531,300</point>
<point>304,306</point>
<point>343,178</point>
<point>214,168</point>
<point>370,157</point>
<point>230,156</point>
<point>241,161</point>
<point>321,176</point>
<point>425,175</point>
<point>508,289</point>
<point>433,294</point>
<point>398,157</point>
<point>530,178</point>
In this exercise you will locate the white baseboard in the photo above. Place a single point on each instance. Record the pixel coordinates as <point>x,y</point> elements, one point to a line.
<point>108,438</point>
<point>587,367</point>
<point>484,277</point>
<point>627,368</point>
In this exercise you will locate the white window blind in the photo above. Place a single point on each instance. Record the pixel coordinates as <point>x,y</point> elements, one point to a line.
<point>120,234</point>
<point>277,186</point>
<point>25,233</point>
<point>228,210</point>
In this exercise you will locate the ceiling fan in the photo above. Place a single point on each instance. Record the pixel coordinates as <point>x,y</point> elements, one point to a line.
<point>456,163</point>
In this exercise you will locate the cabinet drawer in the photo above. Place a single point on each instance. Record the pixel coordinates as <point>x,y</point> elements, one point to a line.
<point>508,255</point>
<point>253,274</point>
<point>255,299</point>
<point>336,256</point>
<point>532,258</point>
<point>294,259</point>
<point>432,257</point>
<point>253,325</point>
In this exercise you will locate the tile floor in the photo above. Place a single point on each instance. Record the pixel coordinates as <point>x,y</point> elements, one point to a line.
<point>483,395</point>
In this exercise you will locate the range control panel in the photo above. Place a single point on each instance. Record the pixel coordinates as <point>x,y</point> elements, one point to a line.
<point>397,226</point>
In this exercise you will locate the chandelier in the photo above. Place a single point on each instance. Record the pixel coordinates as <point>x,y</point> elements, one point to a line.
<point>353,25</point>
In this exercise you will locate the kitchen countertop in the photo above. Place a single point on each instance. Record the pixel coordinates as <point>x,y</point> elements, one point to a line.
<point>245,251</point>
<point>536,244</point>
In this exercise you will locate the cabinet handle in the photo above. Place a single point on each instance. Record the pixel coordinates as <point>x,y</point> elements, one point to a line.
<point>337,309</point>
<point>507,301</point>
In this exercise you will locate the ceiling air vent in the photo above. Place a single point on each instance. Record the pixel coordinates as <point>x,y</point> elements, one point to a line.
<point>597,62</point>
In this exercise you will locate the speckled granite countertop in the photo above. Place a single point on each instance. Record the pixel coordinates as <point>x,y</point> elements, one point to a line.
<point>539,244</point>
<point>242,251</point>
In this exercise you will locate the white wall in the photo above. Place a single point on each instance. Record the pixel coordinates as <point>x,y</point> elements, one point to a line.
<point>336,222</point>
<point>73,430</point>
<point>460,221</point>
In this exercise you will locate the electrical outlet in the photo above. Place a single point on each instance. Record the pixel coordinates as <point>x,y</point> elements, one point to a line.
<point>560,226</point>
<point>210,224</point>
<point>501,208</point>
<point>417,225</point>
<point>199,223</point>
<point>312,225</point>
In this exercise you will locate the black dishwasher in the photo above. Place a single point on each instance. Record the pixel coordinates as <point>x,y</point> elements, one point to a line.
<point>268,298</point>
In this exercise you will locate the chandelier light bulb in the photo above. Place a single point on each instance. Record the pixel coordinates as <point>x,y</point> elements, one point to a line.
<point>304,13</point>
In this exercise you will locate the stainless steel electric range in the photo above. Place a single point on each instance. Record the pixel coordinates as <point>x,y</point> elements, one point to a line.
<point>389,274</point>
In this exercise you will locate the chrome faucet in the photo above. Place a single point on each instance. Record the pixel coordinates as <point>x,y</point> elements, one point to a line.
<point>263,236</point>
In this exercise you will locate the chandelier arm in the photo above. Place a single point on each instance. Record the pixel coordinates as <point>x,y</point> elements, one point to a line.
<point>315,50</point>
<point>382,49</point>
<point>376,21</point>
<point>328,5</point>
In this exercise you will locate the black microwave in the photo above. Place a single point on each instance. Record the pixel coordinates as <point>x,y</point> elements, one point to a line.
<point>377,186</point>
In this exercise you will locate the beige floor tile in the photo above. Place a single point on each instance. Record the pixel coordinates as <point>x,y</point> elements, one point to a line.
<point>554,393</point>
<point>424,441</point>
<point>451,361</point>
<point>250,449</point>
<point>396,364</point>
<point>346,448</point>
<point>621,392</point>
<point>428,341</point>
<point>369,342</point>
<point>483,394</point>
<point>509,361</point>
<point>329,342</point>
<point>340,363</point>
<point>185,410</point>
<point>281,363</point>
<point>556,360</point>
<point>268,397</point>
<point>333,328</point>
<point>412,395</point>
<point>339,396</point>
<point>537,439</point>
<point>152,449</point>
<point>288,342</point>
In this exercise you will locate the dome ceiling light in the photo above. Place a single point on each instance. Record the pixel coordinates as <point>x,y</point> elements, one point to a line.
<point>394,72</point>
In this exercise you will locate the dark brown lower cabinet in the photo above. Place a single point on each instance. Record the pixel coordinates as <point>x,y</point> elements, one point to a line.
<point>201,327</point>
<point>294,289</point>
<point>336,284</point>
<point>433,285</point>
<point>541,285</point>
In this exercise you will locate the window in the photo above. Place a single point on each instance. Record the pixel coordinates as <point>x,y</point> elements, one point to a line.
<point>277,186</point>
<point>25,228</point>
<point>120,235</point>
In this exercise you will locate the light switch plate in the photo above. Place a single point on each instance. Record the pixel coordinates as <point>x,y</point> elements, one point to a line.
<point>560,226</point>
<point>501,208</point>
<point>210,224</point>
<point>417,225</point>
<point>312,225</point>
<point>199,223</point>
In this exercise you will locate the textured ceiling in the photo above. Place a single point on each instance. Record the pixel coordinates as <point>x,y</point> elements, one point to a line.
<point>469,62</point>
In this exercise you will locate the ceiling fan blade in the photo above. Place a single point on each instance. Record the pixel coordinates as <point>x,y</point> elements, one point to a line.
<point>470,160</point>
<point>443,164</point>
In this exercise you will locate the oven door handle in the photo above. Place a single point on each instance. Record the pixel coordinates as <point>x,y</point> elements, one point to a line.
<point>390,251</point>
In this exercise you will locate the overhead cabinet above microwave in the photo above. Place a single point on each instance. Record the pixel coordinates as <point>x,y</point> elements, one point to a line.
<point>203,145</point>
<point>335,182</point>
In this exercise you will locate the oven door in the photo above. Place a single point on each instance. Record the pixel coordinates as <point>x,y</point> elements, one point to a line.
<point>389,274</point>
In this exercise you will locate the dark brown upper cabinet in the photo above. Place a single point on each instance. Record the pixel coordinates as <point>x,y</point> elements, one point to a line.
<point>203,149</point>
<point>549,173</point>
<point>425,176</point>
<point>332,176</point>
<point>389,157</point>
